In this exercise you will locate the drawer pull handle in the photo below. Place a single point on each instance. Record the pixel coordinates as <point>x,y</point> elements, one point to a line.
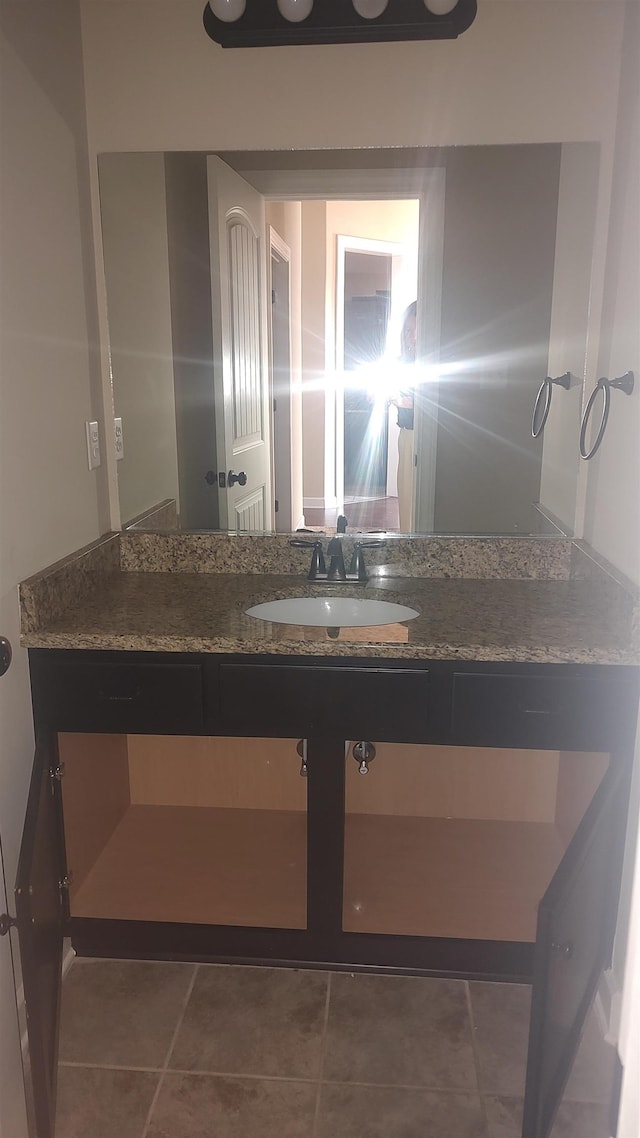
<point>565,949</point>
<point>536,711</point>
<point>109,697</point>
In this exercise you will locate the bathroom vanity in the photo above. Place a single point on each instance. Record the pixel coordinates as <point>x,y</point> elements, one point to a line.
<point>195,793</point>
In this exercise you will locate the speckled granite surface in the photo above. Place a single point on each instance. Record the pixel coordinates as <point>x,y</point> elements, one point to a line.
<point>570,621</point>
<point>67,582</point>
<point>497,557</point>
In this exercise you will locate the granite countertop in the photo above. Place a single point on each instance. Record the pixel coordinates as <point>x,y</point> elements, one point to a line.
<point>575,620</point>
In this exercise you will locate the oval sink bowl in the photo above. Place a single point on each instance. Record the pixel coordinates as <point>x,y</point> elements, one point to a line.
<point>332,612</point>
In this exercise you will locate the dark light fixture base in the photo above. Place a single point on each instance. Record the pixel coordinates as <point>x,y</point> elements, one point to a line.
<point>336,21</point>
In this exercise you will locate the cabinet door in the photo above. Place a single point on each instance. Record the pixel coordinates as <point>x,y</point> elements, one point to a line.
<point>575,922</point>
<point>40,917</point>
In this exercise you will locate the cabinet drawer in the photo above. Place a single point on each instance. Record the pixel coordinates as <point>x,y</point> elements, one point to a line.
<point>553,712</point>
<point>352,703</point>
<point>123,697</point>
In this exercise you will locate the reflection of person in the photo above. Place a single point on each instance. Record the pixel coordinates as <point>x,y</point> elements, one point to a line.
<point>404,404</point>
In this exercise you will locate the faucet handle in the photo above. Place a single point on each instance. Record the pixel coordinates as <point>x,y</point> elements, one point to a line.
<point>317,558</point>
<point>358,567</point>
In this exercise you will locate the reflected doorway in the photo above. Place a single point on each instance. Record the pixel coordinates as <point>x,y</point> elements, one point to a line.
<point>366,306</point>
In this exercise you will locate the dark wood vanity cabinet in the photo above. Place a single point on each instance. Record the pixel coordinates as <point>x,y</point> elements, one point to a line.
<point>372,874</point>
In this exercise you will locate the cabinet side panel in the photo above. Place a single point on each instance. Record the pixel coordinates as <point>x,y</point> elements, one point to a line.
<point>411,779</point>
<point>579,776</point>
<point>236,773</point>
<point>95,797</point>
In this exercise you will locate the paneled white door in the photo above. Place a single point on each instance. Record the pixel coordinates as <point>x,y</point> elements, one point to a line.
<point>237,236</point>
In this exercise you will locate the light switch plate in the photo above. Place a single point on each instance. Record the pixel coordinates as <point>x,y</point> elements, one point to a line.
<point>119,437</point>
<point>93,444</point>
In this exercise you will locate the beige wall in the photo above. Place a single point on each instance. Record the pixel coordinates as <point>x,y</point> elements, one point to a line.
<point>136,258</point>
<point>487,86</point>
<point>48,496</point>
<point>482,88</point>
<point>577,202</point>
<point>613,498</point>
<point>187,195</point>
<point>612,521</point>
<point>497,282</point>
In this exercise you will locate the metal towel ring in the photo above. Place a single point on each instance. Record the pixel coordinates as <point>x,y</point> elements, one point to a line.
<point>623,383</point>
<point>544,393</point>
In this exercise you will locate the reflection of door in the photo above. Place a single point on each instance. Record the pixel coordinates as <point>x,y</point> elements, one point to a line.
<point>280,367</point>
<point>365,271</point>
<point>237,237</point>
<point>365,427</point>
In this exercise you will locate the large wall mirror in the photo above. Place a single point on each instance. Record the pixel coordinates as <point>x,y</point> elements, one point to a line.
<point>258,310</point>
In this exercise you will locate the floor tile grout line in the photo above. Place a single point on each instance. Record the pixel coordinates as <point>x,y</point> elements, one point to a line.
<point>323,1047</point>
<point>474,1044</point>
<point>427,1088</point>
<point>174,1036</point>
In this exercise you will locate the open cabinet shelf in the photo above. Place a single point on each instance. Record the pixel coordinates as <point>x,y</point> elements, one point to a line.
<point>201,865</point>
<point>446,877</point>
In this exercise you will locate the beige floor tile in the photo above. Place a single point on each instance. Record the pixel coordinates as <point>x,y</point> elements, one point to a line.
<point>121,1013</point>
<point>100,1103</point>
<point>253,1021</point>
<point>501,1017</point>
<point>399,1030</point>
<point>389,1112</point>
<point>203,1106</point>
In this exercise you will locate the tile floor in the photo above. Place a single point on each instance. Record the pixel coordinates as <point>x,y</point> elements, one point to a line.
<point>160,1050</point>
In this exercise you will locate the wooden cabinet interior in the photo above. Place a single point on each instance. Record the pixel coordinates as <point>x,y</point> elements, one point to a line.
<point>439,841</point>
<point>179,839</point>
<point>460,842</point>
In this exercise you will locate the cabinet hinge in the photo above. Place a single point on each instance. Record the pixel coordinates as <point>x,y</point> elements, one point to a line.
<point>57,772</point>
<point>67,881</point>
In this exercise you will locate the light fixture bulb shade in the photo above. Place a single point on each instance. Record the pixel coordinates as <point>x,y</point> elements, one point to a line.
<point>228,10</point>
<point>440,7</point>
<point>370,9</point>
<point>295,10</point>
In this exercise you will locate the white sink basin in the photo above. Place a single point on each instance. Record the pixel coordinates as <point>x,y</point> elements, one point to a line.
<point>332,612</point>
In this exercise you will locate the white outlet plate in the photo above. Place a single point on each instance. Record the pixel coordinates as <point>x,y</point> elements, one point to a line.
<point>118,437</point>
<point>93,444</point>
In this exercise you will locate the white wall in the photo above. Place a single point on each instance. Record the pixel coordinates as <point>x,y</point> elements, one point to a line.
<point>48,496</point>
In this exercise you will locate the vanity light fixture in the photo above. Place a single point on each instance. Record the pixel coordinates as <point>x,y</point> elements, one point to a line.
<point>270,23</point>
<point>228,10</point>
<point>370,9</point>
<point>295,10</point>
